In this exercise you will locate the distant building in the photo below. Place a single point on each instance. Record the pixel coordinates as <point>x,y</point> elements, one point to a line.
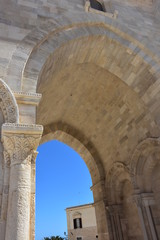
<point>81,222</point>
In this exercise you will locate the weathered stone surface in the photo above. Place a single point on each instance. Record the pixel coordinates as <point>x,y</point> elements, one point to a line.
<point>99,80</point>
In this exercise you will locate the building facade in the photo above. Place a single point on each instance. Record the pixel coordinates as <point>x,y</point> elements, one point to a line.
<point>86,73</point>
<point>81,222</point>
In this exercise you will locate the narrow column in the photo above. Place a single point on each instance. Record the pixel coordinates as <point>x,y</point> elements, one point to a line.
<point>115,212</point>
<point>138,201</point>
<point>5,192</point>
<point>148,200</point>
<point>143,202</point>
<point>100,209</point>
<point>32,210</point>
<point>20,141</point>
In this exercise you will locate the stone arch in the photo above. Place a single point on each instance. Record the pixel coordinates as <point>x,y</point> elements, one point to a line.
<point>145,167</point>
<point>10,113</point>
<point>49,38</point>
<point>8,104</point>
<point>86,150</point>
<point>66,136</point>
<point>120,203</point>
<point>143,162</point>
<point>41,42</point>
<point>116,177</point>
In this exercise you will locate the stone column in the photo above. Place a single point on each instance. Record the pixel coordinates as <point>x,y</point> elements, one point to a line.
<point>116,219</point>
<point>32,210</point>
<point>20,142</point>
<point>143,202</point>
<point>6,167</point>
<point>100,209</point>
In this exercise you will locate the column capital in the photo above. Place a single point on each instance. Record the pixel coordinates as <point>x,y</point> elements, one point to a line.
<point>115,209</point>
<point>144,199</point>
<point>138,200</point>
<point>147,199</point>
<point>20,141</point>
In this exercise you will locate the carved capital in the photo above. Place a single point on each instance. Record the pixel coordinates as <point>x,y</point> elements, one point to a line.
<point>147,199</point>
<point>137,199</point>
<point>144,199</point>
<point>115,210</point>
<point>21,141</point>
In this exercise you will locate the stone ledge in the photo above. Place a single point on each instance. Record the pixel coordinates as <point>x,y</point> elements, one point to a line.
<point>28,98</point>
<point>22,129</point>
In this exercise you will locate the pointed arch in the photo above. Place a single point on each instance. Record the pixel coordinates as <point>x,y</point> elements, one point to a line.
<point>143,162</point>
<point>117,175</point>
<point>94,166</point>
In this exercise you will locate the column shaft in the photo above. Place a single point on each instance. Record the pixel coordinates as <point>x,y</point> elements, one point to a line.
<point>19,202</point>
<point>143,202</point>
<point>115,212</point>
<point>151,224</point>
<point>5,193</point>
<point>21,142</point>
<point>142,222</point>
<point>32,209</point>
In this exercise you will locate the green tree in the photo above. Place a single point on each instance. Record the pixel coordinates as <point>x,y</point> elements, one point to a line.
<point>53,238</point>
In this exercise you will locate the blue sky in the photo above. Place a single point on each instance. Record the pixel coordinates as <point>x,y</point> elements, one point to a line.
<point>62,180</point>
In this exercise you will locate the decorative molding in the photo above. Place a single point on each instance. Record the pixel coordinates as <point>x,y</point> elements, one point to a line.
<point>141,153</point>
<point>116,175</point>
<point>144,199</point>
<point>77,215</point>
<point>22,128</point>
<point>8,104</point>
<point>148,199</point>
<point>6,159</point>
<point>116,168</point>
<point>28,98</point>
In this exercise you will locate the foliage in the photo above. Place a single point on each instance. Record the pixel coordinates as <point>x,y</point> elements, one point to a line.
<point>53,238</point>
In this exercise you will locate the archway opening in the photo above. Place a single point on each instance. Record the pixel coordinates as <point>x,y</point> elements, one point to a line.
<point>62,180</point>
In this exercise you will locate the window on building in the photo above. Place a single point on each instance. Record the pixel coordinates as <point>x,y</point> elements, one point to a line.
<point>77,222</point>
<point>79,238</point>
<point>97,5</point>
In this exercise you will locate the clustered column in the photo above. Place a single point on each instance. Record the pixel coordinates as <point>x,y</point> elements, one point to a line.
<point>144,202</point>
<point>20,142</point>
<point>117,222</point>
